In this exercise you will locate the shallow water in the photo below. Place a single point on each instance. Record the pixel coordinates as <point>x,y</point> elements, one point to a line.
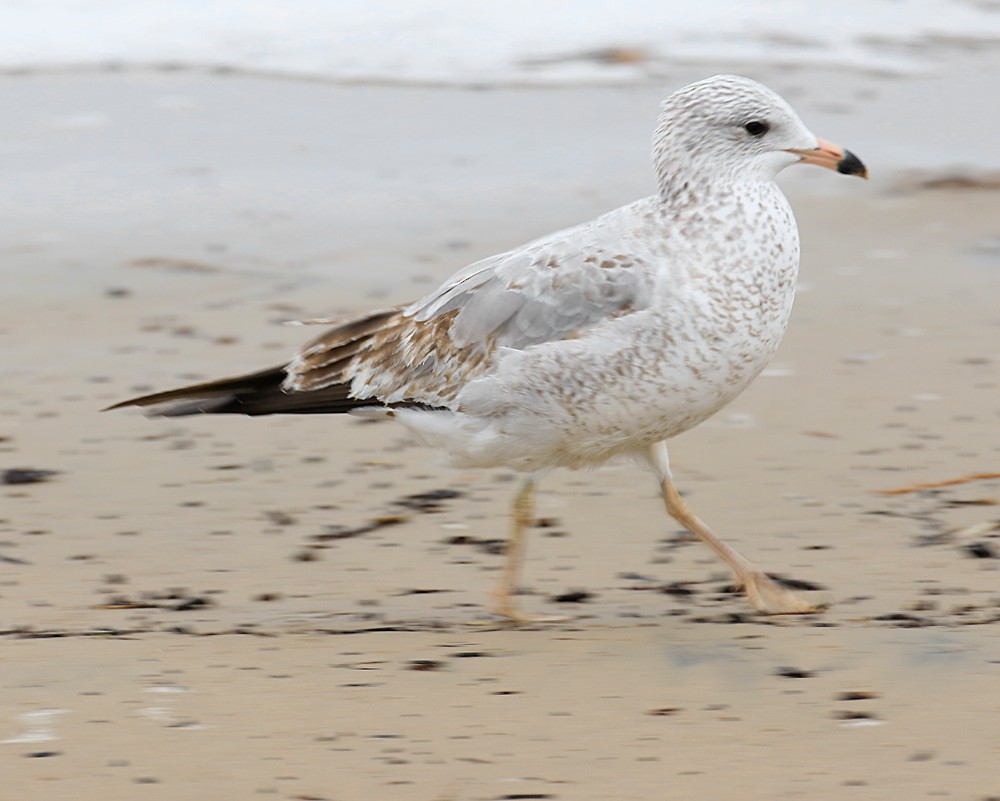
<point>523,42</point>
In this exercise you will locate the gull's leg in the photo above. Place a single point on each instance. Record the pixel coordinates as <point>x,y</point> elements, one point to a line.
<point>765,594</point>
<point>522,516</point>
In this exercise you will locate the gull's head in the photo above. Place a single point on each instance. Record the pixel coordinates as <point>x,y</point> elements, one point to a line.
<point>732,128</point>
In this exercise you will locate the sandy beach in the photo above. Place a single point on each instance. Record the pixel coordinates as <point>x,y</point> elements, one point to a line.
<point>297,608</point>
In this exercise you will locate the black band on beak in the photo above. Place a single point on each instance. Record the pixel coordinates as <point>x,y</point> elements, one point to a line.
<point>851,165</point>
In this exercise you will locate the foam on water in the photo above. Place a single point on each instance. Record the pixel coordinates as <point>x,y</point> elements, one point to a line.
<point>474,41</point>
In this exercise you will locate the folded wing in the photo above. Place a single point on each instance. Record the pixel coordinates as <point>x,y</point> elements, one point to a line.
<point>425,353</point>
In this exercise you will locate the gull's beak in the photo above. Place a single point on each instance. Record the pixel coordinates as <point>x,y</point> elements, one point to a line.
<point>833,157</point>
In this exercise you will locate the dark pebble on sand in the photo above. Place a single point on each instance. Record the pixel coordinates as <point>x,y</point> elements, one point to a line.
<point>981,550</point>
<point>847,714</point>
<point>428,501</point>
<point>25,475</point>
<point>903,620</point>
<point>573,597</point>
<point>425,665</point>
<point>523,796</point>
<point>856,695</point>
<point>677,589</point>
<point>794,673</point>
<point>279,518</point>
<point>187,604</point>
<point>493,547</point>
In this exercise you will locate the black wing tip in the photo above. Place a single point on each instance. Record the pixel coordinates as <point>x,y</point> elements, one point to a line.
<point>208,396</point>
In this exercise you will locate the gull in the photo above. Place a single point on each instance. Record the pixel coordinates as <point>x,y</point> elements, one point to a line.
<point>597,342</point>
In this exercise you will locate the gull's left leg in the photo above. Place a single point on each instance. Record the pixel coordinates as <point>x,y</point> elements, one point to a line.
<point>522,515</point>
<point>522,518</point>
<point>765,594</point>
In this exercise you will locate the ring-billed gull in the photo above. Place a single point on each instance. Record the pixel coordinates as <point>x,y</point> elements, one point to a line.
<point>602,340</point>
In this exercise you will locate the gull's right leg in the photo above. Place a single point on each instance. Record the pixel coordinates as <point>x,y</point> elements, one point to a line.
<point>764,593</point>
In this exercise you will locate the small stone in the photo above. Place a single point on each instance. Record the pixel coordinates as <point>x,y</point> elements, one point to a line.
<point>794,673</point>
<point>573,597</point>
<point>424,665</point>
<point>25,475</point>
<point>981,550</point>
<point>856,695</point>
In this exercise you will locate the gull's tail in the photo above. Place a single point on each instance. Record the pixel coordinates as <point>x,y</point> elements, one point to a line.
<point>257,393</point>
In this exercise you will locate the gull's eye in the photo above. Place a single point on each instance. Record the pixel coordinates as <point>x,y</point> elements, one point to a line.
<point>756,127</point>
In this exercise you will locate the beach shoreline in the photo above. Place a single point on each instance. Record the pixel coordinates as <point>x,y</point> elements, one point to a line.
<point>206,608</point>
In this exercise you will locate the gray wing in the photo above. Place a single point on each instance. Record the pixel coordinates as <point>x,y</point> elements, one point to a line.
<point>553,289</point>
<point>548,290</point>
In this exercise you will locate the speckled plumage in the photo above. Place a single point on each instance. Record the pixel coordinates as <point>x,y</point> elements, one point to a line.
<point>602,340</point>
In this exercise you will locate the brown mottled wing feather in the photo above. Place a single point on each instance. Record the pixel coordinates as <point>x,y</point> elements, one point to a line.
<point>426,353</point>
<point>327,359</point>
<point>268,391</point>
<point>397,361</point>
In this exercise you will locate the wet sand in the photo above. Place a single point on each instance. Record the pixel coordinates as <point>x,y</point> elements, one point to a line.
<point>296,608</point>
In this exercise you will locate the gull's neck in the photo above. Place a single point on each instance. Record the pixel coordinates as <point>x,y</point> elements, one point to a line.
<point>682,186</point>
